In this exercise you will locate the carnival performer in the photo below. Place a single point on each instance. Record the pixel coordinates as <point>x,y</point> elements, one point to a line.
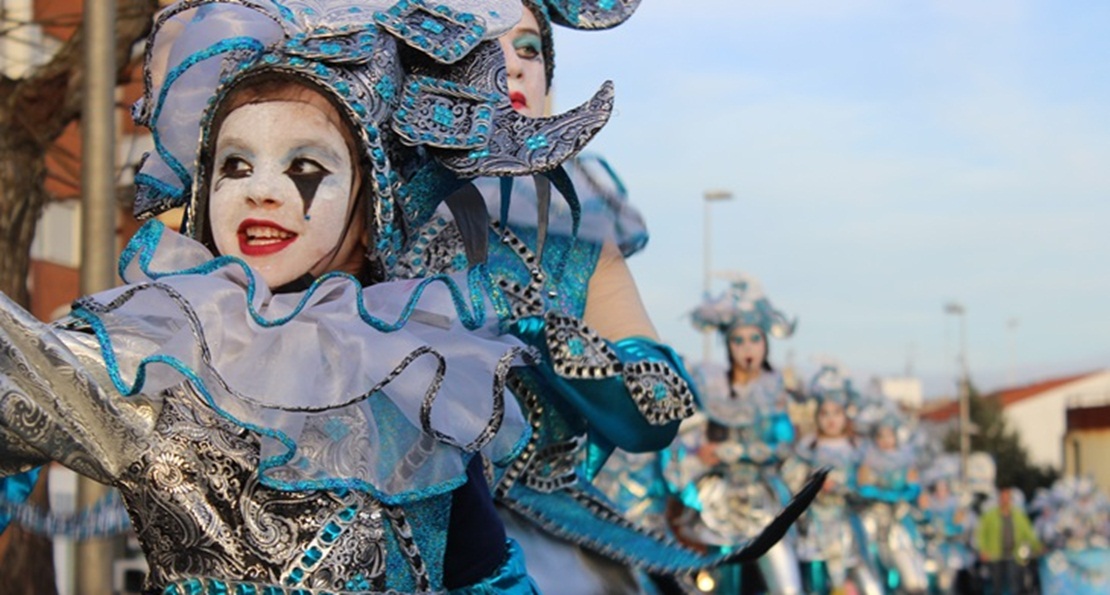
<point>744,436</point>
<point>947,523</point>
<point>888,484</point>
<point>1073,523</point>
<point>829,543</point>
<point>602,379</point>
<point>279,413</point>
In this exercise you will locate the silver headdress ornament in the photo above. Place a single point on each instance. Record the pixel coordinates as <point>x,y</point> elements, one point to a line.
<point>876,411</point>
<point>944,467</point>
<point>831,384</point>
<point>742,304</point>
<point>421,82</point>
<point>576,14</point>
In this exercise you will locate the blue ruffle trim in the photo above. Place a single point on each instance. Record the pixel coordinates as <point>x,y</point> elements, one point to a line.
<point>141,249</point>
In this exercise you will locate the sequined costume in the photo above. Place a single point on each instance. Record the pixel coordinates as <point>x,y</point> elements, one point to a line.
<point>831,543</point>
<point>732,500</point>
<point>728,464</point>
<point>829,538</point>
<point>321,438</point>
<point>946,528</point>
<point>888,515</point>
<point>1073,522</point>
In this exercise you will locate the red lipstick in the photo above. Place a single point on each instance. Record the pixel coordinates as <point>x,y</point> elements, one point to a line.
<point>258,237</point>
<point>520,102</point>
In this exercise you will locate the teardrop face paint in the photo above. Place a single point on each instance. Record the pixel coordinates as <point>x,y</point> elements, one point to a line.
<point>281,192</point>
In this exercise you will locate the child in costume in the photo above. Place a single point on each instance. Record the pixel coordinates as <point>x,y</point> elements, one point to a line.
<point>889,487</point>
<point>829,542</point>
<point>1073,523</point>
<point>279,410</point>
<point>948,520</point>
<point>745,436</point>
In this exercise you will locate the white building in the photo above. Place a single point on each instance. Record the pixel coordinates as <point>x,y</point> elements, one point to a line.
<point>1038,411</point>
<point>907,391</point>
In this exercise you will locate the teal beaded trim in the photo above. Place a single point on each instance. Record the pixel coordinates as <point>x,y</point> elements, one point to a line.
<point>214,586</point>
<point>326,539</point>
<point>436,30</point>
<point>533,406</point>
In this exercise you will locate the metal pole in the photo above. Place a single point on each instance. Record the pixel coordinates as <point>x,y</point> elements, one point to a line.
<point>707,272</point>
<point>98,232</point>
<point>706,335</point>
<point>965,396</point>
<point>963,389</point>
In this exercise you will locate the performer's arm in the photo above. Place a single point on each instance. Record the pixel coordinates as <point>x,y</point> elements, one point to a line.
<point>609,367</point>
<point>53,404</point>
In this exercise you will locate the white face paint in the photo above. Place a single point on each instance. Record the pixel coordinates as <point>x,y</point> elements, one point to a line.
<point>748,348</point>
<point>281,190</point>
<point>524,65</point>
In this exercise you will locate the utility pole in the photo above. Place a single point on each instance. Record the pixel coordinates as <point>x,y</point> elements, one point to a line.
<point>710,197</point>
<point>98,233</point>
<point>964,395</point>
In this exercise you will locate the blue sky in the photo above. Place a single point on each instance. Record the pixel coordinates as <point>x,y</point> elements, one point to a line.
<point>885,158</point>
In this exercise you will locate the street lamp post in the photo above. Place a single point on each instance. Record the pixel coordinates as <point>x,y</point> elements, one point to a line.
<point>1011,374</point>
<point>964,395</point>
<point>710,197</point>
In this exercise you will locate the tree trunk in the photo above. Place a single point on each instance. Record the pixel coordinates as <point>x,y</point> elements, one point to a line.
<point>22,197</point>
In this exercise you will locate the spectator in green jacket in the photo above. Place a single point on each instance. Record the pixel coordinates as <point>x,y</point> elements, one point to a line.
<point>1005,537</point>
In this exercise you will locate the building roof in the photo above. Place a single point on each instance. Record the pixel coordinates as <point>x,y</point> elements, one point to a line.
<point>1010,396</point>
<point>948,409</point>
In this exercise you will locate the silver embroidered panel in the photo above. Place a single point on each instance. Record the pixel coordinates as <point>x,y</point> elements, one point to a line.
<point>200,511</point>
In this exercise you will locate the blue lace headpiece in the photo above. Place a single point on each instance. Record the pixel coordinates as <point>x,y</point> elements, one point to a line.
<point>742,304</point>
<point>576,14</point>
<point>879,412</point>
<point>421,82</point>
<point>830,384</point>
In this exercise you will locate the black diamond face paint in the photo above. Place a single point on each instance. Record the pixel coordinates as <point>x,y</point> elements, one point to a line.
<point>307,175</point>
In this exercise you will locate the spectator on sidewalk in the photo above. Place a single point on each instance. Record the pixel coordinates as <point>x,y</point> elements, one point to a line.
<point>1006,537</point>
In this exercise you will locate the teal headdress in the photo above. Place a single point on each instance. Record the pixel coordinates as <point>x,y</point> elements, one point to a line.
<point>830,384</point>
<point>576,14</point>
<point>742,304</point>
<point>421,82</point>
